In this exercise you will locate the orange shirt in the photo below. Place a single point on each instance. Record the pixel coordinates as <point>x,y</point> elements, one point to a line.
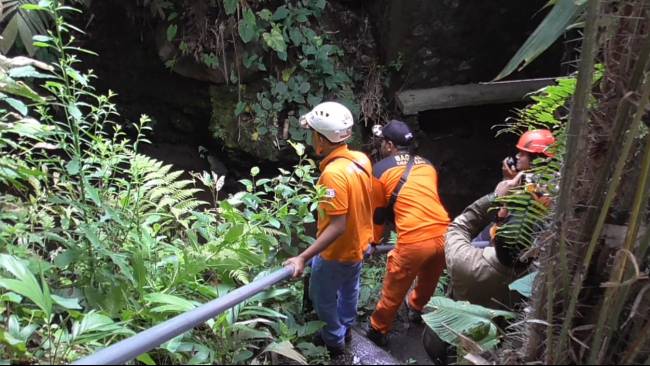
<point>347,176</point>
<point>419,213</point>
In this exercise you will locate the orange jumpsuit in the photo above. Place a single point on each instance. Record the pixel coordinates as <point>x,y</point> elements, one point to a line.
<point>421,222</point>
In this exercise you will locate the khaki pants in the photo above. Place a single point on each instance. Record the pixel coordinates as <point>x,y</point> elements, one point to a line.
<point>425,261</point>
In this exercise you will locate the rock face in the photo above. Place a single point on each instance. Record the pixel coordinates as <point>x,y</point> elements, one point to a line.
<point>415,43</point>
<point>447,42</point>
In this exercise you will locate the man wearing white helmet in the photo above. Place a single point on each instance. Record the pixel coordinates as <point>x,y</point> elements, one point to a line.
<point>344,224</point>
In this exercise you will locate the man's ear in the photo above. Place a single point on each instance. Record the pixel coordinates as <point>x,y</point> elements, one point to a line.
<point>391,145</point>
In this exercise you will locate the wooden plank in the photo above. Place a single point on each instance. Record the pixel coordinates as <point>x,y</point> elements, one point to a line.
<point>417,100</point>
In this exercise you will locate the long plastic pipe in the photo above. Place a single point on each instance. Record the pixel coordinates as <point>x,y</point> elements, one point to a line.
<point>140,343</point>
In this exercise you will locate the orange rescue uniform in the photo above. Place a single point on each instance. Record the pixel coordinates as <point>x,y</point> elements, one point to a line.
<point>421,222</point>
<point>344,171</point>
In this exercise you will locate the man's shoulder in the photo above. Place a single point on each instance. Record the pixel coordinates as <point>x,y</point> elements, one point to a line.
<point>384,165</point>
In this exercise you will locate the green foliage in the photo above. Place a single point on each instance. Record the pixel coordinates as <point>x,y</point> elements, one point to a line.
<point>527,210</point>
<point>524,285</point>
<point>531,204</point>
<point>452,320</point>
<point>100,241</point>
<point>563,14</point>
<point>303,67</point>
<point>288,34</point>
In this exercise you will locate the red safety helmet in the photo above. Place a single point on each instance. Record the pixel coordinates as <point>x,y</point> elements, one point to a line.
<point>536,142</point>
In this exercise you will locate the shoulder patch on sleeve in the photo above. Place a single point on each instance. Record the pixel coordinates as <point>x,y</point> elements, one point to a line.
<point>330,194</point>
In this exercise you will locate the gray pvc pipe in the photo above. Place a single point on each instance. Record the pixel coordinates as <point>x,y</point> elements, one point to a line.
<point>140,343</point>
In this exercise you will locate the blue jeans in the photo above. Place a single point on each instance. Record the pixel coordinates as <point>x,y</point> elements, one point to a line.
<point>334,292</point>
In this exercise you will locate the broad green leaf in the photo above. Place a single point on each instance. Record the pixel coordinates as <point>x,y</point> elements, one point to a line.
<point>74,112</point>
<point>27,72</point>
<point>11,297</point>
<point>171,32</point>
<point>310,328</point>
<point>95,326</point>
<point>248,26</point>
<point>67,303</point>
<point>231,6</point>
<point>33,7</point>
<point>240,108</point>
<point>9,35</point>
<point>146,359</point>
<point>265,14</point>
<point>319,4</point>
<point>17,105</point>
<point>524,285</point>
<point>19,88</point>
<point>259,311</point>
<point>241,356</point>
<point>564,12</point>
<point>274,222</point>
<point>66,258</point>
<point>300,148</point>
<point>296,36</point>
<point>77,76</point>
<point>286,349</point>
<point>170,303</point>
<point>280,13</point>
<point>234,233</point>
<point>41,38</point>
<point>25,283</point>
<point>73,166</point>
<point>275,40</point>
<point>450,318</point>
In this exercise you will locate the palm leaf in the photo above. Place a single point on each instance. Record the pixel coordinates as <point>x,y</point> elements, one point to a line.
<point>25,283</point>
<point>564,12</point>
<point>286,349</point>
<point>21,23</point>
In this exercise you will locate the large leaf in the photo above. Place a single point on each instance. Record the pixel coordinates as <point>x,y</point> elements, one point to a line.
<point>286,349</point>
<point>25,283</point>
<point>451,318</point>
<point>562,15</point>
<point>248,26</point>
<point>231,6</point>
<point>22,22</point>
<point>169,303</point>
<point>95,326</point>
<point>524,285</point>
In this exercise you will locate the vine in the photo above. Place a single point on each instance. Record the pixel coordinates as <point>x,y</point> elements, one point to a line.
<point>279,38</point>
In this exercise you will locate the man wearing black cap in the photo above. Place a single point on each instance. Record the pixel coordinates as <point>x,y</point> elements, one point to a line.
<point>405,190</point>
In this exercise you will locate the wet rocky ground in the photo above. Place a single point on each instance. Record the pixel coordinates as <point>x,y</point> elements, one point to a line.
<point>405,346</point>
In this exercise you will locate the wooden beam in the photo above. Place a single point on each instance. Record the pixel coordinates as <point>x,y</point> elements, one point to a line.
<point>417,100</point>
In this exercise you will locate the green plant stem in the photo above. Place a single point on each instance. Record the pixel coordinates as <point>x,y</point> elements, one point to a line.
<point>68,99</point>
<point>611,192</point>
<point>575,138</point>
<point>608,319</point>
<point>637,345</point>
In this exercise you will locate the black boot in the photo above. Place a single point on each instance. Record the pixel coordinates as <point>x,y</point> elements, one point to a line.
<point>413,315</point>
<point>377,337</point>
<point>334,351</point>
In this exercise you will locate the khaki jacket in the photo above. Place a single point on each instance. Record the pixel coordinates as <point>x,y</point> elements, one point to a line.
<point>476,274</point>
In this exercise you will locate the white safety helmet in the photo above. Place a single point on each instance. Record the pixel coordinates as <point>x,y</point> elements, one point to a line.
<point>330,119</point>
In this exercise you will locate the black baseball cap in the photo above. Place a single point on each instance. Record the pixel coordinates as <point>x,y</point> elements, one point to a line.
<point>398,133</point>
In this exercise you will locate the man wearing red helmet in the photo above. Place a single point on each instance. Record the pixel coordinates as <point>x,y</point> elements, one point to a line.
<point>531,145</point>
